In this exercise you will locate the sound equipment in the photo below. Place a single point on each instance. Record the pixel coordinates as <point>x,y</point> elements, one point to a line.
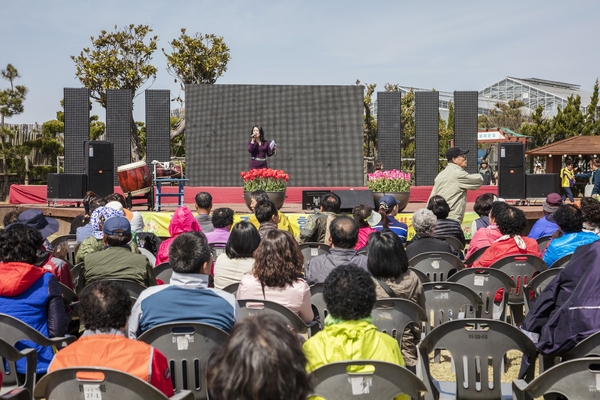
<point>351,198</point>
<point>389,130</point>
<point>77,128</point>
<point>426,137</point>
<point>465,126</point>
<point>66,186</point>
<point>541,185</point>
<point>311,199</point>
<point>135,178</point>
<point>99,167</point>
<point>511,170</point>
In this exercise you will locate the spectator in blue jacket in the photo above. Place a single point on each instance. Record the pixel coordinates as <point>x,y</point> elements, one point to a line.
<point>570,222</point>
<point>546,225</point>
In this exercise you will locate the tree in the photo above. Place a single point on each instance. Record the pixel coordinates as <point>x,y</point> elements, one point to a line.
<point>538,128</point>
<point>568,121</point>
<point>11,104</point>
<point>407,121</point>
<point>504,116</point>
<point>197,59</point>
<point>118,60</point>
<point>591,124</point>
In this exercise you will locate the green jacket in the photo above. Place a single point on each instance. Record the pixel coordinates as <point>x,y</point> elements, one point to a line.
<point>91,244</point>
<point>452,184</point>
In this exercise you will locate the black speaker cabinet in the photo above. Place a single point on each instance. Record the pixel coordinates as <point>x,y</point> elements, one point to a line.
<point>66,186</point>
<point>99,167</point>
<point>511,171</point>
<point>541,185</point>
<point>351,198</point>
<point>311,199</point>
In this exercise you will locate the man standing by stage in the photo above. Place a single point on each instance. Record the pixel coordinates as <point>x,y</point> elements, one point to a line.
<point>453,182</point>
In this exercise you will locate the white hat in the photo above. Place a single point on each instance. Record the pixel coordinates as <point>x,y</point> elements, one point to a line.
<point>115,205</point>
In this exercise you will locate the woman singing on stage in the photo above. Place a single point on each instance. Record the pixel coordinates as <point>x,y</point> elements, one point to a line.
<point>260,148</point>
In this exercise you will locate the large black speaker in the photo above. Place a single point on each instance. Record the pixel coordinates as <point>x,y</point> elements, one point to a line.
<point>99,167</point>
<point>66,186</point>
<point>541,185</point>
<point>351,198</point>
<point>511,171</point>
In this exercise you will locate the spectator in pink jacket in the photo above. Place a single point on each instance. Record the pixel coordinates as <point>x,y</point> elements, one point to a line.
<point>366,220</point>
<point>488,235</point>
<point>182,221</point>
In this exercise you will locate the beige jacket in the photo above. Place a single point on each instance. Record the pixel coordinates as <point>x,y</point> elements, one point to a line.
<point>452,184</point>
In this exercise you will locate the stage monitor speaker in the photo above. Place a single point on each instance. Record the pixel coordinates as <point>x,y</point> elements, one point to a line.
<point>99,167</point>
<point>351,198</point>
<point>541,185</point>
<point>66,186</point>
<point>311,199</point>
<point>511,170</point>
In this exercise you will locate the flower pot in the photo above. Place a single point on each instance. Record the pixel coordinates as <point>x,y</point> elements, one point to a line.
<point>276,197</point>
<point>401,197</point>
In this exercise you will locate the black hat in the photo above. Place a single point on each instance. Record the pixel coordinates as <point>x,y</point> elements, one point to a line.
<point>455,152</point>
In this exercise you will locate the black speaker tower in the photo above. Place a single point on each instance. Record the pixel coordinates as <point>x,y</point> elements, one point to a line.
<point>99,167</point>
<point>511,170</point>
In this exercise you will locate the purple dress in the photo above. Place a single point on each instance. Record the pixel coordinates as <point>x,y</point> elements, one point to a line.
<point>259,154</point>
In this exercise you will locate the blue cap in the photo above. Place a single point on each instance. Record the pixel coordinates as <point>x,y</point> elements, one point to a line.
<point>387,202</point>
<point>117,226</point>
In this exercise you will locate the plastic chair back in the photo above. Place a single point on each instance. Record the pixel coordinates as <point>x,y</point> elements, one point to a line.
<point>151,257</point>
<point>17,394</point>
<point>317,300</point>
<point>249,307</point>
<point>446,301</point>
<point>187,346</point>
<point>217,249</point>
<point>106,384</point>
<point>422,277</point>
<point>75,272</point>
<point>588,347</point>
<point>473,343</point>
<point>543,242</point>
<point>574,379</point>
<point>561,262</point>
<point>475,256</point>
<point>452,241</point>
<point>312,249</point>
<point>486,282</point>
<point>164,272</point>
<point>438,266</point>
<point>10,355</point>
<point>232,288</point>
<point>71,245</point>
<point>393,316</point>
<point>537,286</point>
<point>333,382</point>
<point>134,288</point>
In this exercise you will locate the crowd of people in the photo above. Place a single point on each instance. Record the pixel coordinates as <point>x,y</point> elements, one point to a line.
<point>368,258</point>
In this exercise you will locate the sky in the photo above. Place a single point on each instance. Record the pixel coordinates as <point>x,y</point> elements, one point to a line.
<point>446,45</point>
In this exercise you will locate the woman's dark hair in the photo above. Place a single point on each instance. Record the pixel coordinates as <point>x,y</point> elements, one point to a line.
<point>116,197</point>
<point>264,211</point>
<point>349,292</point>
<point>511,221</point>
<point>590,208</point>
<point>188,252</point>
<point>262,359</point>
<point>278,261</point>
<point>439,206</point>
<point>361,213</point>
<point>569,218</point>
<point>11,217</point>
<point>331,203</point>
<point>117,240</point>
<point>483,204</point>
<point>386,257</point>
<point>104,305</point>
<point>243,241</point>
<point>497,208</point>
<point>222,217</point>
<point>260,130</point>
<point>20,243</point>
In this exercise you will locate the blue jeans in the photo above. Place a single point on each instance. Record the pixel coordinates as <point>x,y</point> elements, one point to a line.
<point>567,193</point>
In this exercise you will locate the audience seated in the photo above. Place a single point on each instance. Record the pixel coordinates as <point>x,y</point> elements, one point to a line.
<point>28,292</point>
<point>187,297</point>
<point>445,226</point>
<point>424,223</point>
<point>547,225</point>
<point>116,261</point>
<point>344,235</point>
<point>349,333</point>
<point>134,217</point>
<point>317,225</point>
<point>182,221</point>
<point>277,275</point>
<point>590,208</point>
<point>511,222</point>
<point>261,360</point>
<point>203,206</point>
<point>88,229</point>
<point>570,223</point>
<point>482,206</point>
<point>366,218</point>
<point>283,222</point>
<point>388,208</point>
<point>222,220</point>
<point>238,258</point>
<point>10,218</point>
<point>486,236</point>
<point>82,219</point>
<point>103,310</point>
<point>266,214</point>
<point>388,265</point>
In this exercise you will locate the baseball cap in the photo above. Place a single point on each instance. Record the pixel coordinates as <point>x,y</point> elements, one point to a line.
<point>455,152</point>
<point>116,226</point>
<point>387,202</point>
<point>552,202</point>
<point>46,226</point>
<point>373,219</point>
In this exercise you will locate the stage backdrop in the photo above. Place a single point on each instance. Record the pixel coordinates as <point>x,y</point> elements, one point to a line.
<point>318,131</point>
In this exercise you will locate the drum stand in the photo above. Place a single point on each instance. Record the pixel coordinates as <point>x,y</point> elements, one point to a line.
<point>148,198</point>
<point>159,182</point>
